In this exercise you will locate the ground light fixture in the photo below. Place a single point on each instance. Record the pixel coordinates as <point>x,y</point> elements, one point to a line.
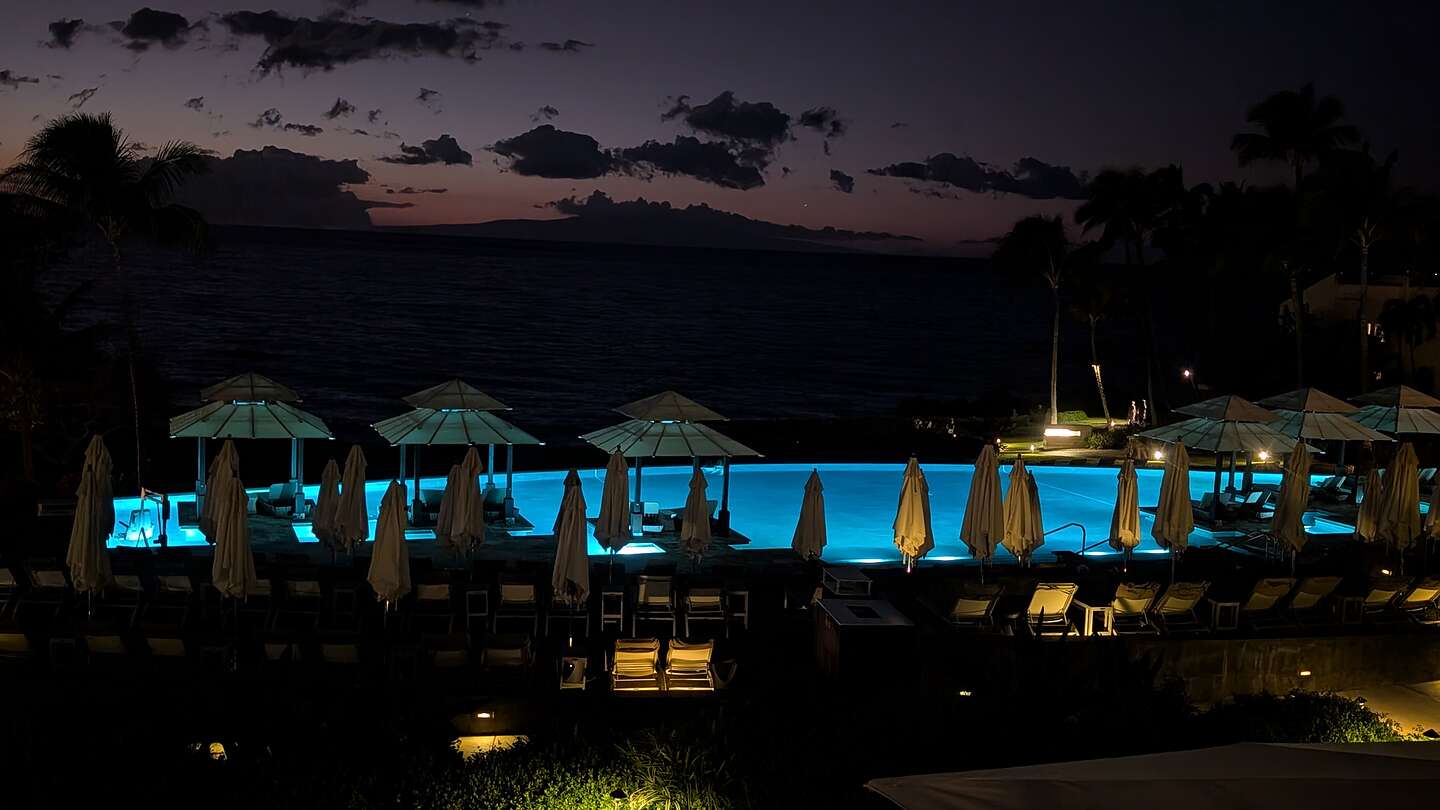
<point>1304,673</point>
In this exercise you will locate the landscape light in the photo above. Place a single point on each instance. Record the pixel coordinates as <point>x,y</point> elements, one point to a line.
<point>964,693</point>
<point>1304,673</point>
<point>1385,572</point>
<point>1051,432</point>
<point>484,715</point>
<point>1264,455</point>
<point>1158,455</point>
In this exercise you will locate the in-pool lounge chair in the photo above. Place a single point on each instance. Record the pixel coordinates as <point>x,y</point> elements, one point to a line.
<point>279,501</point>
<point>1131,607</point>
<point>635,665</point>
<point>1419,604</point>
<point>1262,607</point>
<point>1048,613</point>
<point>688,667</point>
<point>1311,603</point>
<point>974,608</point>
<point>1176,609</point>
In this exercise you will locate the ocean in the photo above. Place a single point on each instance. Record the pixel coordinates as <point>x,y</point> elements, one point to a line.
<point>562,332</point>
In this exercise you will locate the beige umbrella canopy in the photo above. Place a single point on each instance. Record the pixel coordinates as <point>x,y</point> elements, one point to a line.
<point>642,439</point>
<point>1228,408</point>
<point>327,505</point>
<point>1395,419</point>
<point>668,406</point>
<point>87,558</point>
<point>1399,396</point>
<point>1324,426</point>
<point>1125,520</point>
<point>809,538</point>
<point>1223,436</point>
<point>248,420</point>
<point>570,579</point>
<point>428,426</point>
<point>1307,399</point>
<point>248,388</point>
<point>1367,517</point>
<point>352,516</point>
<point>1174,515</point>
<point>389,574</point>
<point>984,522</point>
<point>455,395</point>
<point>1397,520</point>
<point>695,520</point>
<point>1288,525</point>
<point>1024,531</point>
<point>913,535</point>
<point>232,572</point>
<point>612,527</point>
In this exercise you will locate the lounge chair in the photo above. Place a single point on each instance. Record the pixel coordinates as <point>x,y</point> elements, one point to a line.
<point>517,602</point>
<point>1249,506</point>
<point>431,613</point>
<point>635,665</point>
<point>1175,610</point>
<point>301,600</point>
<point>15,647</point>
<point>975,606</point>
<point>654,602</point>
<point>1049,611</point>
<point>1262,607</point>
<point>105,649</point>
<point>1332,489</point>
<point>427,511</point>
<point>339,653</point>
<point>1131,607</point>
<point>1419,604</point>
<point>688,667</point>
<point>124,599</point>
<point>1311,602</point>
<point>506,656</point>
<point>568,613</point>
<point>1379,604</point>
<point>279,501</point>
<point>705,605</point>
<point>9,588</point>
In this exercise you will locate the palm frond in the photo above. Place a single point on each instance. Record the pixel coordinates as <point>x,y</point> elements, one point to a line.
<point>169,167</point>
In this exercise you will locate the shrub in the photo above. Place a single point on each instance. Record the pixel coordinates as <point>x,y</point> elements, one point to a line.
<point>1070,416</point>
<point>1299,717</point>
<point>1110,438</point>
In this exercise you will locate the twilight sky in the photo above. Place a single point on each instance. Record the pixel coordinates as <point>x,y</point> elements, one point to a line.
<point>945,120</point>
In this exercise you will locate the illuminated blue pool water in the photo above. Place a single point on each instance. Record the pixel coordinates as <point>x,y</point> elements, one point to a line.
<point>860,502</point>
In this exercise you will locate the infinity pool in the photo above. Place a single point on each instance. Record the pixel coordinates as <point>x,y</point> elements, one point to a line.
<point>860,502</point>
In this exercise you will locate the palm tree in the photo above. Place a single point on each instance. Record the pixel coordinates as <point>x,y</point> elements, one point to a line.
<point>1411,322</point>
<point>80,169</point>
<point>1038,246</point>
<point>1093,299</point>
<point>1297,128</point>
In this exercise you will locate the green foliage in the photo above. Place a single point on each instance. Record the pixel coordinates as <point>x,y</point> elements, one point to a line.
<point>1110,438</point>
<point>675,771</point>
<point>1299,717</point>
<point>1071,416</point>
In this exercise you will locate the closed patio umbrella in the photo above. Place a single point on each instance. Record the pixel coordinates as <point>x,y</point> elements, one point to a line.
<point>467,527</point>
<point>232,571</point>
<point>1398,518</point>
<point>1174,515</point>
<point>1125,520</point>
<point>1367,517</point>
<point>695,522</point>
<point>809,538</point>
<point>327,505</point>
<point>570,579</point>
<point>1288,524</point>
<point>1023,529</point>
<point>87,558</point>
<point>352,516</point>
<point>223,467</point>
<point>612,527</point>
<point>913,535</point>
<point>389,574</point>
<point>445,520</point>
<point>1432,526</point>
<point>984,522</point>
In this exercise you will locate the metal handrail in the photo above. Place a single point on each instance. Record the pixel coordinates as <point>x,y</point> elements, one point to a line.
<point>1083,547</point>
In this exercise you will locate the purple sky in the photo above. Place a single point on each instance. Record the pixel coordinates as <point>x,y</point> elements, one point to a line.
<point>1075,85</point>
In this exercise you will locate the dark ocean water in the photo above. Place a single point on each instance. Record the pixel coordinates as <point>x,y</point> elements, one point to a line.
<point>563,332</point>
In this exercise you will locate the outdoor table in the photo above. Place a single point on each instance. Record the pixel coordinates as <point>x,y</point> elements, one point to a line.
<point>843,581</point>
<point>1089,613</point>
<point>1224,615</point>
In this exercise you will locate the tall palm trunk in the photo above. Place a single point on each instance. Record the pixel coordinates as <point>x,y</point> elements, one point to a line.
<point>1055,356</point>
<point>1360,313</point>
<point>1297,305</point>
<point>1095,365</point>
<point>1152,359</point>
<point>113,233</point>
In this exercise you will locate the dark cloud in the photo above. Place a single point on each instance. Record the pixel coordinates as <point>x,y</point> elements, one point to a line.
<point>784,171</point>
<point>308,130</point>
<point>568,46</point>
<point>545,113</point>
<point>470,3</point>
<point>706,161</point>
<point>759,123</point>
<point>269,118</point>
<point>197,103</point>
<point>354,131</point>
<point>842,181</point>
<point>274,186</point>
<point>148,27</point>
<point>339,108</point>
<point>11,79</point>
<point>326,43</point>
<point>430,99</point>
<point>63,32</point>
<point>899,125</point>
<point>77,100</point>
<point>825,121</point>
<point>373,116</point>
<point>413,190</point>
<point>386,204</point>
<point>443,149</point>
<point>1029,178</point>
<point>825,147</point>
<point>549,152</point>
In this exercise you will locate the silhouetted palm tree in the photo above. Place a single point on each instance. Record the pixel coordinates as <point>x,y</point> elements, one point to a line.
<point>81,169</point>
<point>1409,322</point>
<point>1038,246</point>
<point>1296,129</point>
<point>1094,294</point>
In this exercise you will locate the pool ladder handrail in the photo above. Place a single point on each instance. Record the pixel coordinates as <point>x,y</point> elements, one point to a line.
<point>1081,527</point>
